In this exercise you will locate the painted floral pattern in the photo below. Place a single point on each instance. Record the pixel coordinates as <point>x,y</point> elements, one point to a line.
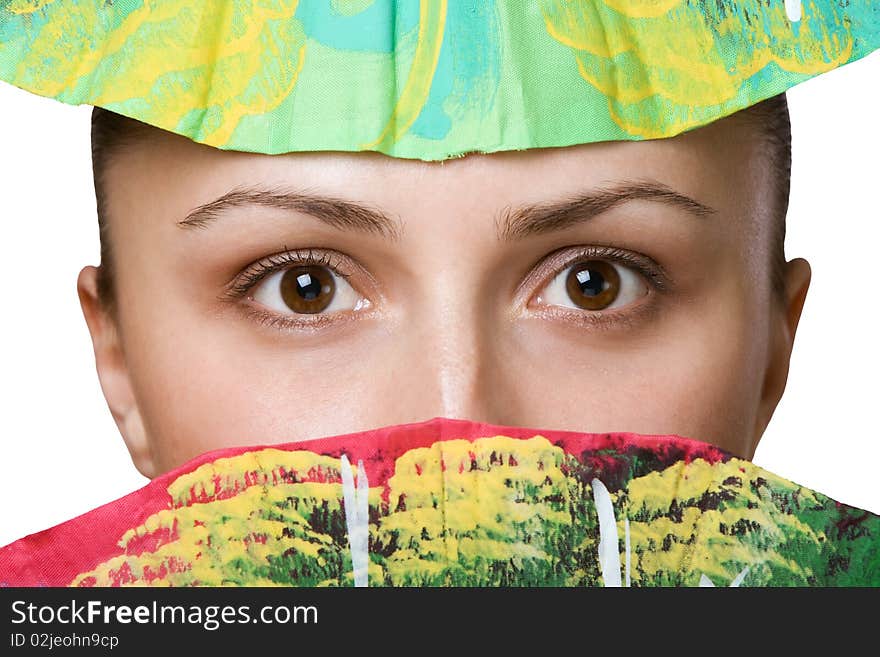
<point>448,502</point>
<point>426,79</point>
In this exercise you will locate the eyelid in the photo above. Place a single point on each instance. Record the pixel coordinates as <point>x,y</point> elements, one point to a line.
<point>557,261</point>
<point>238,290</point>
<point>254,273</point>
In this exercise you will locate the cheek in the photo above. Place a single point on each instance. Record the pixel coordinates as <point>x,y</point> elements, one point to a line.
<point>695,372</point>
<point>707,381</point>
<point>205,384</point>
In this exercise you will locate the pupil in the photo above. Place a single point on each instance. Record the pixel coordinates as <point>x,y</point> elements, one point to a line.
<point>591,282</point>
<point>308,287</point>
<point>593,285</point>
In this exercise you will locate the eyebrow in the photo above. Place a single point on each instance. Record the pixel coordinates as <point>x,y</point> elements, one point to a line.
<point>511,224</point>
<point>542,218</point>
<point>335,212</point>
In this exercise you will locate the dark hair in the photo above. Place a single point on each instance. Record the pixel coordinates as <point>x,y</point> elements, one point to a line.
<point>111,132</point>
<point>772,119</point>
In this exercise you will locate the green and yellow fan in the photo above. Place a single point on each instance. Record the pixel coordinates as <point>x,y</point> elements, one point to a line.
<point>427,79</point>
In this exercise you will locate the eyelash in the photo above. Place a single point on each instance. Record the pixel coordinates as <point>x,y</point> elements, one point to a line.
<point>562,259</point>
<point>644,265</point>
<point>256,272</point>
<point>555,262</point>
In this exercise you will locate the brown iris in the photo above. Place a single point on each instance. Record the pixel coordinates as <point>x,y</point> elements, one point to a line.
<point>307,289</point>
<point>593,285</point>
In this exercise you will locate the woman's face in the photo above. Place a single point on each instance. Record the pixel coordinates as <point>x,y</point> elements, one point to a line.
<point>326,293</point>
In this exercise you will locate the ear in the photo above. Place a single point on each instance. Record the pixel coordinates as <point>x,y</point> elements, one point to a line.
<point>783,326</point>
<point>113,371</point>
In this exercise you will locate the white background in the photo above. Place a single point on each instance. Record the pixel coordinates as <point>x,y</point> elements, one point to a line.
<point>62,455</point>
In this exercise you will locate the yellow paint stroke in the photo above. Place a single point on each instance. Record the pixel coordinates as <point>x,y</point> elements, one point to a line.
<point>662,543</point>
<point>460,503</point>
<point>26,6</point>
<point>432,21</point>
<point>230,60</point>
<point>661,67</point>
<point>642,8</point>
<point>228,476</point>
<point>228,518</point>
<point>227,541</point>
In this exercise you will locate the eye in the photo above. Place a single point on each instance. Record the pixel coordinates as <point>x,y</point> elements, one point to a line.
<point>595,285</point>
<point>306,289</point>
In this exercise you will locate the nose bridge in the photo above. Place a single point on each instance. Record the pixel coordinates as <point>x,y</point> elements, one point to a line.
<point>456,319</point>
<point>456,351</point>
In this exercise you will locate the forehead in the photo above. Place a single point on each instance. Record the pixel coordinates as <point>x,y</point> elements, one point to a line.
<point>718,164</point>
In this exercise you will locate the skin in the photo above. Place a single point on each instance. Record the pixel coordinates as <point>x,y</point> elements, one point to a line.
<point>456,322</point>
